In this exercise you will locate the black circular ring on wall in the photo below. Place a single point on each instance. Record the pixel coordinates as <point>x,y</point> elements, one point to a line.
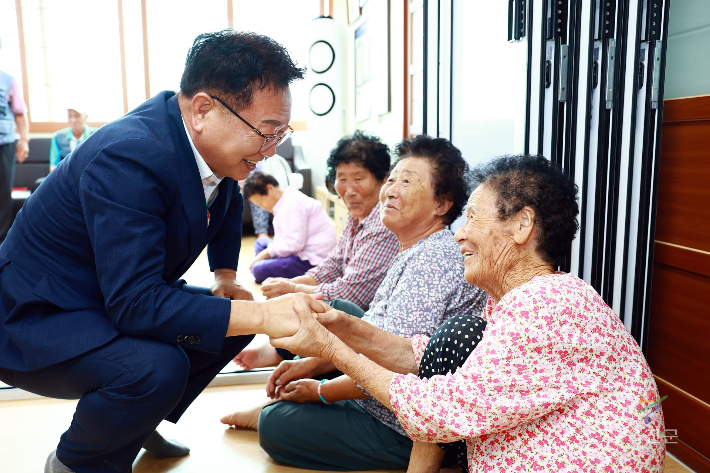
<point>331,105</point>
<point>332,61</point>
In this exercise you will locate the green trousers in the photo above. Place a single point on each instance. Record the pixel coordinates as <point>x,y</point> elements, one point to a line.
<point>341,436</point>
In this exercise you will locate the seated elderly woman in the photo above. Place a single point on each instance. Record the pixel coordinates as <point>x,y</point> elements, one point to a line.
<point>556,384</point>
<point>358,165</point>
<point>337,425</point>
<point>303,235</point>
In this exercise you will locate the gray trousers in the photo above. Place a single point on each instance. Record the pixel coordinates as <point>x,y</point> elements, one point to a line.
<point>7,177</point>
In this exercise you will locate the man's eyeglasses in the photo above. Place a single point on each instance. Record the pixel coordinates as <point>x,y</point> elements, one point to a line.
<point>269,140</point>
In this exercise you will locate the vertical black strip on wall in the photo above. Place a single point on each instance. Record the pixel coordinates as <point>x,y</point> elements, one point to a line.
<point>560,25</point>
<point>528,87</point>
<point>622,16</point>
<point>425,65</point>
<point>601,177</point>
<point>656,167</point>
<point>438,67</point>
<point>451,76</point>
<point>554,91</point>
<point>587,133</point>
<point>644,205</point>
<point>511,19</point>
<point>572,89</point>
<point>571,104</point>
<point>632,150</point>
<point>541,97</point>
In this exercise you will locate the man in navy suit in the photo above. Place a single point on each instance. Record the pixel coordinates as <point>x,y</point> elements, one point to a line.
<point>92,307</point>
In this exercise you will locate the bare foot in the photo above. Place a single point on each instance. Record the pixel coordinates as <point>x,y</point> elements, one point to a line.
<point>259,357</point>
<point>247,419</point>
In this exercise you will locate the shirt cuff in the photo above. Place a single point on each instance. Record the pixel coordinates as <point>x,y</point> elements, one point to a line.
<point>419,343</point>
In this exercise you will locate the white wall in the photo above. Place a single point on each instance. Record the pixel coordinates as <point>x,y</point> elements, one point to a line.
<point>389,126</point>
<point>688,53</point>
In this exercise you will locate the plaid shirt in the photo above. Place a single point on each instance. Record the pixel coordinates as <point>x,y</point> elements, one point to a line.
<point>357,265</point>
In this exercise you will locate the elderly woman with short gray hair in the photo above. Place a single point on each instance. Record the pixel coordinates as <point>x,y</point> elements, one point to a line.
<point>556,384</point>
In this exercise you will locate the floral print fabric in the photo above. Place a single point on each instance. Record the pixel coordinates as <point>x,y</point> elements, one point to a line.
<point>556,384</point>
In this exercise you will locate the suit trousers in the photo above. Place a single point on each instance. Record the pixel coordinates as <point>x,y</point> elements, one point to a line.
<point>125,389</point>
<point>7,176</point>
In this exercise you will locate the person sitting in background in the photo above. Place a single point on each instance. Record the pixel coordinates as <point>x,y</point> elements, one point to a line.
<point>334,424</point>
<point>358,165</point>
<point>557,382</point>
<point>303,234</point>
<point>280,169</point>
<point>67,139</point>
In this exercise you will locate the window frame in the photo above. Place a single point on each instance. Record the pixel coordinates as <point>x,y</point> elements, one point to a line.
<point>51,127</point>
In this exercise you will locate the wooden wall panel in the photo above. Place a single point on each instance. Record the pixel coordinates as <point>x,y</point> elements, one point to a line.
<point>684,185</point>
<point>679,323</point>
<point>679,347</point>
<point>687,417</point>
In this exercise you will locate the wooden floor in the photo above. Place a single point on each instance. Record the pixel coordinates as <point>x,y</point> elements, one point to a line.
<point>30,429</point>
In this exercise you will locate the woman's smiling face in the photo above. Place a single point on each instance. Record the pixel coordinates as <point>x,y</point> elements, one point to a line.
<point>483,239</point>
<point>408,195</point>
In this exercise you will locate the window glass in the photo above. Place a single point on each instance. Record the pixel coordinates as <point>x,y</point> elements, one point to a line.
<point>10,48</point>
<point>73,59</point>
<point>172,27</point>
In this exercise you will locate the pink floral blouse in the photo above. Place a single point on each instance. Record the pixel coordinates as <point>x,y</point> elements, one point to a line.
<point>556,384</point>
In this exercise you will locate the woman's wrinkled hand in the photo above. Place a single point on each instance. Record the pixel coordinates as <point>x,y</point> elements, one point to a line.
<point>287,371</point>
<point>336,321</point>
<point>301,391</point>
<point>274,287</point>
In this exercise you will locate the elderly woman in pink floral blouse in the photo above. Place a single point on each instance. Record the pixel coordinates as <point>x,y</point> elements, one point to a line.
<point>556,383</point>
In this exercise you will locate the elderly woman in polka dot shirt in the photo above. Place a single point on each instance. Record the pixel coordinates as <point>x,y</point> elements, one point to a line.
<point>555,384</point>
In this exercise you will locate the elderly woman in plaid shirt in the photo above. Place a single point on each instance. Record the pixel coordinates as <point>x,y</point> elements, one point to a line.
<point>332,423</point>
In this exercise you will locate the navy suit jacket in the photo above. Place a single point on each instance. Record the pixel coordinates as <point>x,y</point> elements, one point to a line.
<point>95,250</point>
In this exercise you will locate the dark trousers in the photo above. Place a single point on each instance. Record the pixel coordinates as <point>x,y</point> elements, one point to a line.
<point>341,436</point>
<point>125,389</point>
<point>7,177</point>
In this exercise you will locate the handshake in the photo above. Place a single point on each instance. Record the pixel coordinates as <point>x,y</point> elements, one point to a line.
<point>299,323</point>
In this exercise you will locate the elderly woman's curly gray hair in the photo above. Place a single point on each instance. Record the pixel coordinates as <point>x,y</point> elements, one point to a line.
<point>540,184</point>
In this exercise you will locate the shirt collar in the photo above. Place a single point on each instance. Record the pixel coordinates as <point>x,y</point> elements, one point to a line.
<point>205,171</point>
<point>287,191</point>
<point>84,134</point>
<point>374,213</point>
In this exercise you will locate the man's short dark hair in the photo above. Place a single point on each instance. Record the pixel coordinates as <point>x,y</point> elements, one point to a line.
<point>257,182</point>
<point>451,176</point>
<point>234,65</point>
<point>363,149</point>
